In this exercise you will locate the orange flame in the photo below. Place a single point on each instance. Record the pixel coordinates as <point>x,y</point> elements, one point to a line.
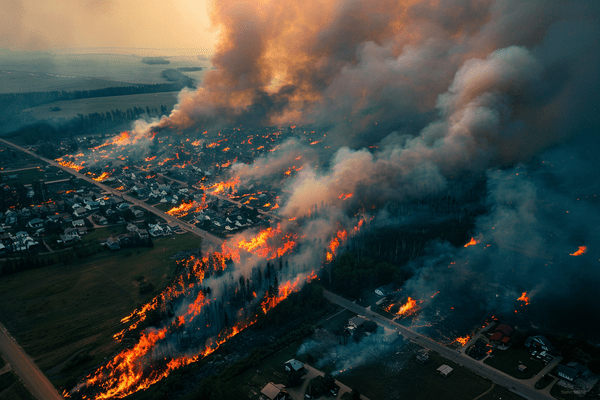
<point>70,164</point>
<point>582,250</point>
<point>472,242</point>
<point>524,298</point>
<point>345,196</point>
<point>408,308</point>
<point>463,340</point>
<point>104,176</point>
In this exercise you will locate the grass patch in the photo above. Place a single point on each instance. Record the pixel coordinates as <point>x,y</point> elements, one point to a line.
<point>26,176</point>
<point>543,382</point>
<point>164,206</point>
<point>7,379</point>
<point>61,310</point>
<point>398,375</point>
<point>500,393</point>
<point>507,361</point>
<point>16,392</point>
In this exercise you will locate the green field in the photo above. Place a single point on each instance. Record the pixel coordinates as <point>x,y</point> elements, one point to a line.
<point>70,108</point>
<point>25,176</point>
<point>507,361</point>
<point>59,311</point>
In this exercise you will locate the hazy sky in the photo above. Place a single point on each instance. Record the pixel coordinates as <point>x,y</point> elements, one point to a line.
<point>61,24</point>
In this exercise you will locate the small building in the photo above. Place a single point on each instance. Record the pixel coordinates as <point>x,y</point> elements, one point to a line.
<point>293,365</point>
<point>522,368</point>
<point>138,213</point>
<point>506,329</point>
<point>132,228</point>
<point>274,392</point>
<point>142,233</point>
<point>78,222</point>
<point>582,371</point>
<point>567,373</point>
<point>496,337</point>
<point>538,343</point>
<point>356,322</point>
<point>422,357</point>
<point>112,243</point>
<point>35,223</point>
<point>445,370</point>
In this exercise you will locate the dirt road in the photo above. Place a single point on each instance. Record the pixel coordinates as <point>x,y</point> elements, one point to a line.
<point>34,379</point>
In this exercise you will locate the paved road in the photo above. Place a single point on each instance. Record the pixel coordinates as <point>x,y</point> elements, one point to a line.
<point>34,379</point>
<point>522,388</point>
<point>190,228</point>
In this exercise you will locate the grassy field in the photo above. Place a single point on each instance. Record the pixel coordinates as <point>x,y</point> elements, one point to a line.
<point>61,310</point>
<point>507,361</point>
<point>499,393</point>
<point>26,176</point>
<point>70,108</point>
<point>398,375</point>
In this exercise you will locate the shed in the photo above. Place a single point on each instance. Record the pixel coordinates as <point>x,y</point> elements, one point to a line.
<point>273,391</point>
<point>522,368</point>
<point>293,365</point>
<point>445,370</point>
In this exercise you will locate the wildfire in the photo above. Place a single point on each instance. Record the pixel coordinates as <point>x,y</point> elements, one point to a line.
<point>70,164</point>
<point>149,158</point>
<point>345,196</point>
<point>524,298</point>
<point>185,208</point>
<point>408,308</point>
<point>220,187</point>
<point>582,250</point>
<point>102,177</point>
<point>463,340</point>
<point>340,237</point>
<point>472,242</point>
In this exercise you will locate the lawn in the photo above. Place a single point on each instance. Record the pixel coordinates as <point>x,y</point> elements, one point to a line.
<point>507,361</point>
<point>16,392</point>
<point>500,393</point>
<point>398,375</point>
<point>58,311</point>
<point>271,370</point>
<point>26,176</point>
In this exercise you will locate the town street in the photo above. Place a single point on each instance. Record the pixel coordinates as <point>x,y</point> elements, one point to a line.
<point>34,379</point>
<point>209,237</point>
<point>522,388</point>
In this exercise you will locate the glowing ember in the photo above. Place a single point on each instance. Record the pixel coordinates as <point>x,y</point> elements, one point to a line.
<point>582,250</point>
<point>149,158</point>
<point>472,242</point>
<point>345,196</point>
<point>524,298</point>
<point>220,187</point>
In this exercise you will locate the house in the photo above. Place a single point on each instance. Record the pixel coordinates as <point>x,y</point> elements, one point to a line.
<point>384,290</point>
<point>35,223</point>
<point>78,222</point>
<point>124,239</point>
<point>567,373</point>
<point>506,329</point>
<point>274,392</point>
<point>138,213</point>
<point>70,237</point>
<point>356,322</point>
<point>142,233</point>
<point>522,368</point>
<point>112,243</point>
<point>80,212</point>
<point>496,337</point>
<point>445,370</point>
<point>538,343</point>
<point>132,228</point>
<point>293,365</point>
<point>582,371</point>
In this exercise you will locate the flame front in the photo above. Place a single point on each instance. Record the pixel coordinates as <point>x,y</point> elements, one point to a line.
<point>582,250</point>
<point>472,242</point>
<point>408,308</point>
<point>524,298</point>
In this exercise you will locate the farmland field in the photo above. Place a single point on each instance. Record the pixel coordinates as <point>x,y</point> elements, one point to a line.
<point>63,310</point>
<point>70,108</point>
<point>28,72</point>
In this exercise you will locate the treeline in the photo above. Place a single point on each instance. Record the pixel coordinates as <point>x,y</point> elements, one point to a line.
<point>13,103</point>
<point>155,60</point>
<point>82,124</point>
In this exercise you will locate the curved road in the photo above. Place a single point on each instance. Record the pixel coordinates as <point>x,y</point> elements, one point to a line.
<point>34,379</point>
<point>517,386</point>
